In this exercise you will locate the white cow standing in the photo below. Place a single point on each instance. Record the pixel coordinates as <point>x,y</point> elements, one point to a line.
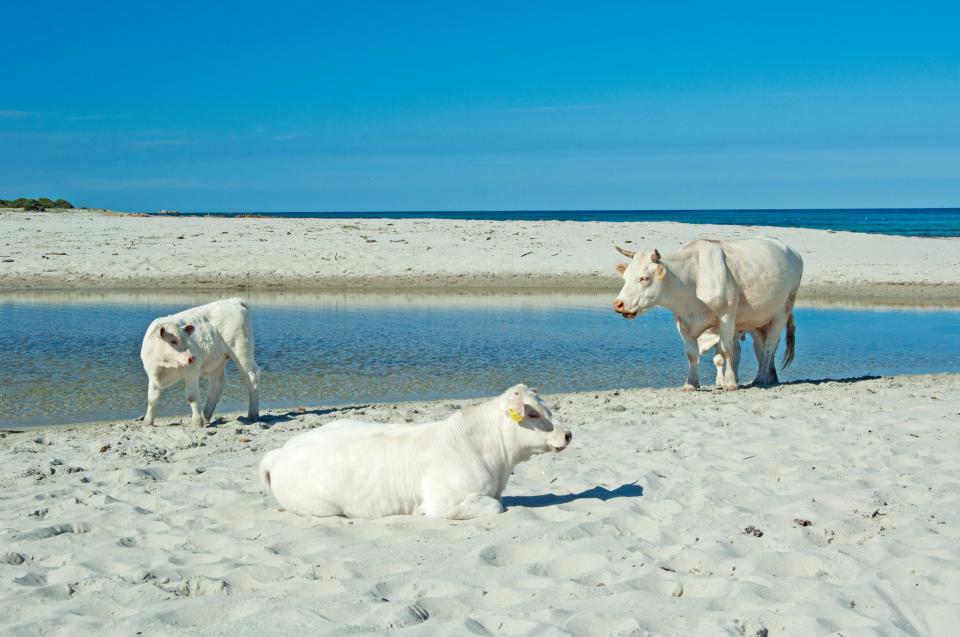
<point>199,342</point>
<point>730,286</point>
<point>456,468</point>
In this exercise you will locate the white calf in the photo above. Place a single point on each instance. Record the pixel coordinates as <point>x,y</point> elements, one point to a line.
<point>710,340</point>
<point>456,468</point>
<point>196,342</point>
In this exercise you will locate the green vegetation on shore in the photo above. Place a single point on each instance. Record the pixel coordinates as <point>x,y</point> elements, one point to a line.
<point>41,203</point>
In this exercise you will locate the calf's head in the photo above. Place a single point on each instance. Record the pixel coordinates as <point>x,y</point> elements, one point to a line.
<point>642,282</point>
<point>527,423</point>
<point>173,349</point>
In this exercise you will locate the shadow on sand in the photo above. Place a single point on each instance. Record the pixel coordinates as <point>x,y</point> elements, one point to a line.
<point>632,490</point>
<point>275,418</point>
<point>820,381</point>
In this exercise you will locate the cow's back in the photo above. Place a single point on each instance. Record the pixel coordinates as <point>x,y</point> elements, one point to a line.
<point>362,469</point>
<point>767,274</point>
<point>220,326</point>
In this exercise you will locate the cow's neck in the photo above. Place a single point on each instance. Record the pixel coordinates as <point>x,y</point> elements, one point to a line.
<point>679,295</point>
<point>478,428</point>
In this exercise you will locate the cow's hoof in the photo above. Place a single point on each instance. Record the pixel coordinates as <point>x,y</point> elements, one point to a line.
<point>729,388</point>
<point>689,387</point>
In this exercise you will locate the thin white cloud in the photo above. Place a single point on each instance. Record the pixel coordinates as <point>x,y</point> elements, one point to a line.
<point>92,118</point>
<point>8,114</point>
<point>554,108</point>
<point>288,137</point>
<point>162,142</point>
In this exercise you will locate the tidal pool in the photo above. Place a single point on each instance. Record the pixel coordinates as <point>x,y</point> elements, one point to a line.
<point>67,358</point>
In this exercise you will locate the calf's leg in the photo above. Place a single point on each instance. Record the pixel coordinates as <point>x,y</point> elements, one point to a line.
<point>464,507</point>
<point>192,390</point>
<point>718,362</point>
<point>214,389</point>
<point>250,373</point>
<point>153,396</point>
<point>728,344</point>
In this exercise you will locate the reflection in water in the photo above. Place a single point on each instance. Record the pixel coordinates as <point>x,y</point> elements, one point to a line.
<point>74,357</point>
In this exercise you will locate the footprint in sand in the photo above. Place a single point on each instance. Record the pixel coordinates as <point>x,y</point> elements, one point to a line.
<point>54,531</point>
<point>13,559</point>
<point>570,566</point>
<point>513,554</point>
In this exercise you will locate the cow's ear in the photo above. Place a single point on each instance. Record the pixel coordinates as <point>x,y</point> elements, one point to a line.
<point>661,271</point>
<point>655,256</point>
<point>188,329</point>
<point>621,268</point>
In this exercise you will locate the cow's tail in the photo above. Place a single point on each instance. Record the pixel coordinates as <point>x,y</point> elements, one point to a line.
<point>791,341</point>
<point>265,466</point>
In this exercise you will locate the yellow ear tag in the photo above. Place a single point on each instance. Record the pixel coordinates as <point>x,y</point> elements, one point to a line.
<point>515,415</point>
<point>660,272</point>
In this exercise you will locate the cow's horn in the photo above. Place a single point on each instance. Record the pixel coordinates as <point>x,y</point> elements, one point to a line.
<point>655,257</point>
<point>626,253</point>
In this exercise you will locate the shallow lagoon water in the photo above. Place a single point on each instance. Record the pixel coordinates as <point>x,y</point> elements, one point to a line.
<point>75,358</point>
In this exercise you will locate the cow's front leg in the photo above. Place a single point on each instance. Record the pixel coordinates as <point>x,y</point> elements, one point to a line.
<point>153,396</point>
<point>465,507</point>
<point>693,359</point>
<point>192,387</point>
<point>729,349</point>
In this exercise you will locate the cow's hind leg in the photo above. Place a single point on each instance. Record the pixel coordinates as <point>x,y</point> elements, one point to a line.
<point>214,389</point>
<point>767,369</point>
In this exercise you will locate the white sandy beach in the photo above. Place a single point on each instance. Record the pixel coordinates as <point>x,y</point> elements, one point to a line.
<point>94,250</point>
<point>638,529</point>
<point>810,508</point>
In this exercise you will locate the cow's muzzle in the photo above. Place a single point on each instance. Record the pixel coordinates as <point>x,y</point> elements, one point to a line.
<point>567,437</point>
<point>619,308</point>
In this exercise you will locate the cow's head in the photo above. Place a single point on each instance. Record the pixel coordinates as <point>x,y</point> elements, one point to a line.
<point>527,423</point>
<point>642,282</point>
<point>174,350</point>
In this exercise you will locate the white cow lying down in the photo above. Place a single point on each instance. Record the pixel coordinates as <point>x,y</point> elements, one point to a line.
<point>196,342</point>
<point>456,468</point>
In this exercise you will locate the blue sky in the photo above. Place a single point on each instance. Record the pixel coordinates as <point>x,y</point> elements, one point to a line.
<point>495,105</point>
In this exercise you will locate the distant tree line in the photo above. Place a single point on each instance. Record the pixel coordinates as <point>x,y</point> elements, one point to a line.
<point>42,203</point>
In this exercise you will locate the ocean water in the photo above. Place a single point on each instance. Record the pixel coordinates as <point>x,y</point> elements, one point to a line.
<point>76,358</point>
<point>921,222</point>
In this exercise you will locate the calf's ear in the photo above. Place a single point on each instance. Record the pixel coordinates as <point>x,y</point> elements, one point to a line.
<point>655,256</point>
<point>661,271</point>
<point>515,407</point>
<point>188,329</point>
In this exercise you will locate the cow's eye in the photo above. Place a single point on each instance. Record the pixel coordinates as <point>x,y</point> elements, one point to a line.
<point>643,279</point>
<point>533,414</point>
